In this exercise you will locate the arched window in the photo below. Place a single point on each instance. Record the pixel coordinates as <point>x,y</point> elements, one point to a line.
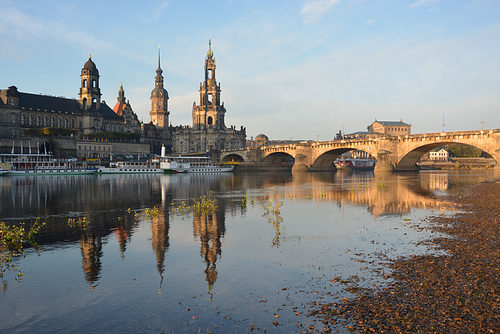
<point>84,104</point>
<point>58,122</point>
<point>22,119</point>
<point>30,120</point>
<point>65,122</point>
<point>210,120</point>
<point>44,121</point>
<point>52,122</point>
<point>84,83</point>
<point>37,120</point>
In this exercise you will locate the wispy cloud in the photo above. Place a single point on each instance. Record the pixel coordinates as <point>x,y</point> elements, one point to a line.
<point>420,3</point>
<point>314,10</point>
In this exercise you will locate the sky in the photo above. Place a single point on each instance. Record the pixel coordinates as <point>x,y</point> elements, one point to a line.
<point>290,69</point>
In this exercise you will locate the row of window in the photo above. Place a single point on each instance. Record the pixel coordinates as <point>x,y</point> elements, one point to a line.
<point>97,148</point>
<point>44,121</point>
<point>397,129</point>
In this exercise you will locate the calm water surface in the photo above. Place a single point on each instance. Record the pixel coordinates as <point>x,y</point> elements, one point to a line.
<point>270,249</point>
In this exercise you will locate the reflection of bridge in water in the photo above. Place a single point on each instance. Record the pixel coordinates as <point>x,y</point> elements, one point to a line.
<point>380,193</point>
<point>392,152</point>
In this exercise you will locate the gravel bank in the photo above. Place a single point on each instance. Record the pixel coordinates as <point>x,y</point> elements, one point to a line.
<point>455,293</point>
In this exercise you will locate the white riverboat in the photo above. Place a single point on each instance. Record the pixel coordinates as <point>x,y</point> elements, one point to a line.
<point>43,164</point>
<point>192,164</point>
<point>131,167</point>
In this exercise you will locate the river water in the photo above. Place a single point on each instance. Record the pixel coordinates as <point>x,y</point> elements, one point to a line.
<point>144,260</point>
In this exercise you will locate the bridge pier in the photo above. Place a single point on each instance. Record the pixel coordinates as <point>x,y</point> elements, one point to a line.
<point>300,168</point>
<point>383,168</point>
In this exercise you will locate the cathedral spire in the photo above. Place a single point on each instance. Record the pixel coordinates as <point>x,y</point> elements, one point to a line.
<point>210,54</point>
<point>159,99</point>
<point>159,67</point>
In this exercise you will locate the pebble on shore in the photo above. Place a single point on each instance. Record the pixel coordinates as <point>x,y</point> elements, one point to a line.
<point>454,293</point>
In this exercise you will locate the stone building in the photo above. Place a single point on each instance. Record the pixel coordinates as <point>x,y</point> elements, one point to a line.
<point>208,131</point>
<point>66,122</point>
<point>390,128</point>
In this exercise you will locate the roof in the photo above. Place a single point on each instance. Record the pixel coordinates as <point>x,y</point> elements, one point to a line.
<point>47,103</point>
<point>118,108</point>
<point>90,64</point>
<point>107,112</point>
<point>392,123</point>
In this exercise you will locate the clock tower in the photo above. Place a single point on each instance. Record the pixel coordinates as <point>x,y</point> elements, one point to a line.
<point>159,100</point>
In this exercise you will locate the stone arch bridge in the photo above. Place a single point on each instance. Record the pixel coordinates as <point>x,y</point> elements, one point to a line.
<point>399,153</point>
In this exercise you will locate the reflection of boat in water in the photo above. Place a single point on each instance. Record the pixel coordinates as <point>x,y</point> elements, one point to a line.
<point>43,164</point>
<point>355,163</point>
<point>192,164</point>
<point>131,167</point>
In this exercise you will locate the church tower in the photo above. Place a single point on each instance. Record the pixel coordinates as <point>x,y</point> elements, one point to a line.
<point>159,100</point>
<point>90,93</point>
<point>210,112</point>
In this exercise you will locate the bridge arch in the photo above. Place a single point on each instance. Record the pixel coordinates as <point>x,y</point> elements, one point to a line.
<point>409,159</point>
<point>233,158</point>
<point>326,161</point>
<point>279,159</point>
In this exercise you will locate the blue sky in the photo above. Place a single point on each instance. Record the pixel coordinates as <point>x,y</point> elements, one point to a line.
<point>289,69</point>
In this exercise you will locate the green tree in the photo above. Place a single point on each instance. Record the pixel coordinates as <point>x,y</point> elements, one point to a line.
<point>463,150</point>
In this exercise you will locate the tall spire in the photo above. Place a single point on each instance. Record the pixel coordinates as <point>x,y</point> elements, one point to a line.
<point>159,99</point>
<point>159,71</point>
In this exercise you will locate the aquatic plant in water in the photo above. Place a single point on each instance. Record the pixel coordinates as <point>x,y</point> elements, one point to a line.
<point>12,243</point>
<point>273,214</point>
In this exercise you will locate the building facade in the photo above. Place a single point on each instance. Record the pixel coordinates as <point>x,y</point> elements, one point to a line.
<point>42,118</point>
<point>208,131</point>
<point>390,128</point>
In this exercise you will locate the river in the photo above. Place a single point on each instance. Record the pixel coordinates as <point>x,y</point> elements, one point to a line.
<point>131,253</point>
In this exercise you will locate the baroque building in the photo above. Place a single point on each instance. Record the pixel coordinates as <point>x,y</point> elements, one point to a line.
<point>208,131</point>
<point>71,127</point>
<point>393,128</point>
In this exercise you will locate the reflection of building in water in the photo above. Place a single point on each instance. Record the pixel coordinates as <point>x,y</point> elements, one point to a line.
<point>123,231</point>
<point>435,181</point>
<point>209,229</point>
<point>160,242</point>
<point>91,247</point>
<point>122,236</point>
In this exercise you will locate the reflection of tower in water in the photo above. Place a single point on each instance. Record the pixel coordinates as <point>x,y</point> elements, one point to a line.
<point>160,242</point>
<point>91,248</point>
<point>209,229</point>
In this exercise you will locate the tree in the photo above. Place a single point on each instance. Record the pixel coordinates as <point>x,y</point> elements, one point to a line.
<point>463,150</point>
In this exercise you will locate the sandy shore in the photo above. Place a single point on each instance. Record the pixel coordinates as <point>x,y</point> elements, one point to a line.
<point>454,293</point>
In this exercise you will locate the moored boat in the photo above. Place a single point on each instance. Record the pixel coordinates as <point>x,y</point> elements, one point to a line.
<point>131,167</point>
<point>192,164</point>
<point>355,163</point>
<point>43,164</point>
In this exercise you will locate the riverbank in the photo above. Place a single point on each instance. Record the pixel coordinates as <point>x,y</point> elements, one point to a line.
<point>454,293</point>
